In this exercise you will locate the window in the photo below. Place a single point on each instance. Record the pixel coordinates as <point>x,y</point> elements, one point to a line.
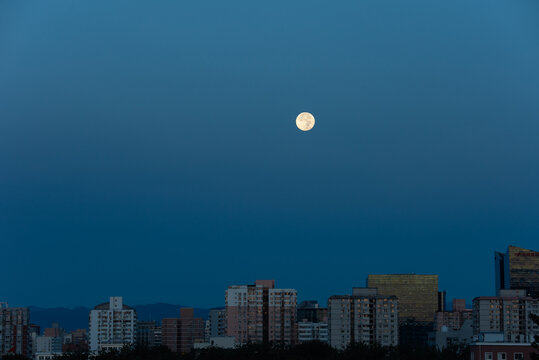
<point>488,356</point>
<point>502,356</point>
<point>518,356</point>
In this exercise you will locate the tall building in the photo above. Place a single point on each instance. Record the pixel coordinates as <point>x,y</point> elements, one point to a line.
<point>170,330</point>
<point>363,317</point>
<point>146,333</point>
<point>507,314</point>
<point>418,302</point>
<point>518,268</point>
<point>310,310</point>
<point>180,334</point>
<point>112,325</point>
<point>313,331</point>
<point>217,322</point>
<point>14,330</point>
<point>418,294</point>
<point>260,313</point>
<point>282,316</point>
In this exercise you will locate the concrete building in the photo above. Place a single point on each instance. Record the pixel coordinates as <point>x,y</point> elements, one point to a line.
<point>313,331</point>
<point>75,341</point>
<point>310,311</point>
<point>282,316</point>
<point>146,333</point>
<point>508,314</point>
<point>180,334</point>
<point>112,325</point>
<point>501,351</point>
<point>14,330</point>
<point>49,344</point>
<point>363,317</point>
<point>217,322</point>
<point>518,268</point>
<point>260,313</point>
<point>454,319</point>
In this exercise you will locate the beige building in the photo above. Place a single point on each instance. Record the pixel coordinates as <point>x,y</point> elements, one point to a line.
<point>508,313</point>
<point>112,325</point>
<point>417,294</point>
<point>363,317</point>
<point>260,313</point>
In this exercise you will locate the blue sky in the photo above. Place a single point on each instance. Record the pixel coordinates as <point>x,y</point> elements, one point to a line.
<point>149,149</point>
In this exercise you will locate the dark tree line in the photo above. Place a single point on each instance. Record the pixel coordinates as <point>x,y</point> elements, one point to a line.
<point>306,351</point>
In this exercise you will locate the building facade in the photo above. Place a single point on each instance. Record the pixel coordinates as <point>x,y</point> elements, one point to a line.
<point>518,268</point>
<point>217,322</point>
<point>112,325</point>
<point>146,333</point>
<point>260,313</point>
<point>501,351</point>
<point>508,314</point>
<point>311,311</point>
<point>313,331</point>
<point>417,294</point>
<point>14,330</point>
<point>454,319</point>
<point>180,334</point>
<point>363,317</point>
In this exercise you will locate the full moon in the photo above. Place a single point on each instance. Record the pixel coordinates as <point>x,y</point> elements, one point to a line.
<point>305,121</point>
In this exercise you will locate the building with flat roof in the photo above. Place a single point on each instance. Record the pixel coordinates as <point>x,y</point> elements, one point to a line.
<point>507,314</point>
<point>180,334</point>
<point>14,330</point>
<point>417,294</point>
<point>260,313</point>
<point>313,331</point>
<point>112,325</point>
<point>501,351</point>
<point>363,317</point>
<point>517,268</point>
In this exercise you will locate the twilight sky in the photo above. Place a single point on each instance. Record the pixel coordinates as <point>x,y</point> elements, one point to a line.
<point>149,149</point>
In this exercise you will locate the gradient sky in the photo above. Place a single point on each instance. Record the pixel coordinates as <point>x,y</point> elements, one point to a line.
<point>149,149</point>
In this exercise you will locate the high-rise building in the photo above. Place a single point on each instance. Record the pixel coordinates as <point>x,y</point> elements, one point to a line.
<point>507,314</point>
<point>112,325</point>
<point>14,330</point>
<point>170,329</point>
<point>146,333</point>
<point>363,317</point>
<point>180,334</point>
<point>282,316</point>
<point>312,312</point>
<point>313,331</point>
<point>217,322</point>
<point>418,301</point>
<point>518,268</point>
<point>417,294</point>
<point>260,313</point>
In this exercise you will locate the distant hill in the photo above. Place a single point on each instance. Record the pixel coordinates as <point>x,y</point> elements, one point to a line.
<point>77,318</point>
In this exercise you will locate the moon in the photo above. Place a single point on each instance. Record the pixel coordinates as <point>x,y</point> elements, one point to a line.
<point>305,121</point>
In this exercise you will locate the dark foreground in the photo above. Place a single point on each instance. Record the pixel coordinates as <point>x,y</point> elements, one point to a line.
<point>308,351</point>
